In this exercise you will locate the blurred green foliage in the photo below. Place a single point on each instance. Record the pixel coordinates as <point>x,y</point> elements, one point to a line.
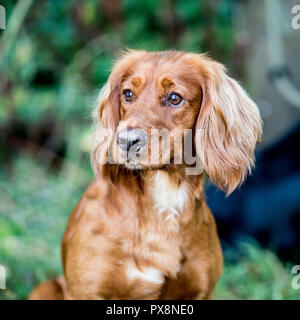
<point>64,50</point>
<point>53,60</point>
<point>35,205</point>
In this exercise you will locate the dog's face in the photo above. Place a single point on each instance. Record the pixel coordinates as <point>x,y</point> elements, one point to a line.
<point>155,101</point>
<point>159,98</point>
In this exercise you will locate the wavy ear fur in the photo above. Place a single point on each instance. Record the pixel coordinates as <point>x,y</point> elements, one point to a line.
<point>229,125</point>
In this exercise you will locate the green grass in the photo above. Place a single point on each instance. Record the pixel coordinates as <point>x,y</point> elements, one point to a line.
<point>257,274</point>
<point>35,204</point>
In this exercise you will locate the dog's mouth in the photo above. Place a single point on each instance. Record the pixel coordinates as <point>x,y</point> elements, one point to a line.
<point>134,161</point>
<point>133,165</point>
<point>138,167</point>
<point>139,161</point>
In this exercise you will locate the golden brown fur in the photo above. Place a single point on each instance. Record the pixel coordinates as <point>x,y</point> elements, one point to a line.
<point>143,230</point>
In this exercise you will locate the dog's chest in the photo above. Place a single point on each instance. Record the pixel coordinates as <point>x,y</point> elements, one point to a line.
<point>138,252</point>
<point>168,197</point>
<point>157,245</point>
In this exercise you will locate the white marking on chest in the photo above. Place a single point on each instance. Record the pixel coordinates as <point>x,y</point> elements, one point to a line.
<point>148,274</point>
<point>167,197</point>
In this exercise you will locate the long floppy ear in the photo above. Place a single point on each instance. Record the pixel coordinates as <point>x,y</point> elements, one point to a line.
<point>107,111</point>
<point>229,125</point>
<point>106,118</point>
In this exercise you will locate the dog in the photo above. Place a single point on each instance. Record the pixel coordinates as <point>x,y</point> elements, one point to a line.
<point>143,230</point>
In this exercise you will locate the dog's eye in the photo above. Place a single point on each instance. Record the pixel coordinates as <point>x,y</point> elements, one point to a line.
<point>128,95</point>
<point>175,99</point>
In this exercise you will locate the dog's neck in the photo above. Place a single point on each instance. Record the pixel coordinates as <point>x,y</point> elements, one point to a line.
<point>170,193</point>
<point>163,195</point>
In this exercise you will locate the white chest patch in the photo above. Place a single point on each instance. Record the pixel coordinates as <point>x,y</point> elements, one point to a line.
<point>148,274</point>
<point>167,198</point>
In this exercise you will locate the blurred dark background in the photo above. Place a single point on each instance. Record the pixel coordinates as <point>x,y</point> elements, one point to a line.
<point>55,56</point>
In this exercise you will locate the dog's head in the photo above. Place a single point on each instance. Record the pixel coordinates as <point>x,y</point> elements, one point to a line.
<point>154,102</point>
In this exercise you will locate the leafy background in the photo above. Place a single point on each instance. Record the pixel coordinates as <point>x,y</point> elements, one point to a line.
<point>54,57</point>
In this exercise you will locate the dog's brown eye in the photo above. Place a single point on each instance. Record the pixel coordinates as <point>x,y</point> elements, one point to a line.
<point>175,99</point>
<point>128,95</point>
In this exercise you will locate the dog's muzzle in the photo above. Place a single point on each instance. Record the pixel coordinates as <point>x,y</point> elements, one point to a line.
<point>131,139</point>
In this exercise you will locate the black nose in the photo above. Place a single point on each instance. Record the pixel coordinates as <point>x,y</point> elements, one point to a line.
<point>131,139</point>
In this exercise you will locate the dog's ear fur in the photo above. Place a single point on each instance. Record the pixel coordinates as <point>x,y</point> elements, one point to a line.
<point>105,121</point>
<point>108,103</point>
<point>228,127</point>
